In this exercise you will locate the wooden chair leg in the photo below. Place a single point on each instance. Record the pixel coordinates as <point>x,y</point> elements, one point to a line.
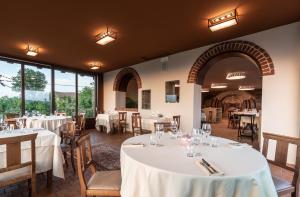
<point>33,186</point>
<point>49,178</point>
<point>72,157</point>
<point>65,157</point>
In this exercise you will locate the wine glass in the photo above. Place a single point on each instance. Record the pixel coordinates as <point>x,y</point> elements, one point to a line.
<point>173,128</point>
<point>20,124</point>
<point>206,127</point>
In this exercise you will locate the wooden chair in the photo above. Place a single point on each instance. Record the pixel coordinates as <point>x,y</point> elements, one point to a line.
<point>16,171</point>
<point>122,122</point>
<point>61,114</point>
<point>100,183</point>
<point>68,142</point>
<point>284,187</point>
<point>80,127</point>
<point>165,125</point>
<point>177,120</point>
<point>136,123</point>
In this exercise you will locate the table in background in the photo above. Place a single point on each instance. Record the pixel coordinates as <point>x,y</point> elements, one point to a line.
<point>148,123</point>
<point>106,120</point>
<point>167,171</point>
<point>51,123</point>
<point>49,156</point>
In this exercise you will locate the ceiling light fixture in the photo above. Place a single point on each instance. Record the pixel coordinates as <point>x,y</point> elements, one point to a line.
<point>205,90</point>
<point>222,21</point>
<point>218,85</point>
<point>236,75</point>
<point>107,37</point>
<point>94,65</point>
<point>245,88</point>
<point>31,51</point>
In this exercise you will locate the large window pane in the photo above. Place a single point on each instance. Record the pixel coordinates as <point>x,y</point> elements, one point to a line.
<point>86,95</point>
<point>37,90</point>
<point>65,92</point>
<point>10,88</point>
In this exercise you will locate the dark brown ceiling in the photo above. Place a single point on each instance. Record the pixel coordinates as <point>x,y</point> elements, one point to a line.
<point>65,30</point>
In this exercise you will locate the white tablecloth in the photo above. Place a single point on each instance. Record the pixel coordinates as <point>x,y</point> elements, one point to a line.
<point>51,123</point>
<point>247,119</point>
<point>48,152</point>
<point>148,123</point>
<point>167,171</point>
<point>106,120</point>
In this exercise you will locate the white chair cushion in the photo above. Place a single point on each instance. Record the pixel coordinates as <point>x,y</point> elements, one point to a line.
<point>106,180</point>
<point>6,177</point>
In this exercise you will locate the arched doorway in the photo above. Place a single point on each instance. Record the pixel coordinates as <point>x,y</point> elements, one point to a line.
<point>212,67</point>
<point>126,86</point>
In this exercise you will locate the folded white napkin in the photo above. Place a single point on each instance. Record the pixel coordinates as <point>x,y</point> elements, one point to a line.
<point>134,145</point>
<point>237,145</point>
<point>211,170</point>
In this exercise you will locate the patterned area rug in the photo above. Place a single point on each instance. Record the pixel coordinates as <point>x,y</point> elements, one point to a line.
<point>107,157</point>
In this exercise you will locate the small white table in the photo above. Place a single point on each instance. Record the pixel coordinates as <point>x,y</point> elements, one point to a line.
<point>148,123</point>
<point>106,120</point>
<point>51,123</point>
<point>167,171</point>
<point>48,152</point>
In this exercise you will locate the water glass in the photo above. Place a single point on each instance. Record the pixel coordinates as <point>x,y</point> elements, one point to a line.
<point>214,142</point>
<point>190,149</point>
<point>153,139</point>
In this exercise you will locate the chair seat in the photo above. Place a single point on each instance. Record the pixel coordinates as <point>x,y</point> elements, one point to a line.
<point>105,180</point>
<point>283,186</point>
<point>7,178</point>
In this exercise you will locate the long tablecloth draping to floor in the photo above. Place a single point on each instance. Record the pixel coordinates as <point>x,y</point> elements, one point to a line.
<point>51,123</point>
<point>167,171</point>
<point>48,152</point>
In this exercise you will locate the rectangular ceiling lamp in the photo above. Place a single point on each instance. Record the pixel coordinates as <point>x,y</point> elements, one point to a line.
<point>222,21</point>
<point>218,85</point>
<point>31,51</point>
<point>246,88</point>
<point>106,38</point>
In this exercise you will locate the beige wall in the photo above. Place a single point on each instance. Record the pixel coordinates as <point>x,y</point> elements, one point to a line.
<point>281,92</point>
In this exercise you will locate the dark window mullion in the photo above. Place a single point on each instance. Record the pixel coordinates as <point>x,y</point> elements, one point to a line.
<point>22,89</point>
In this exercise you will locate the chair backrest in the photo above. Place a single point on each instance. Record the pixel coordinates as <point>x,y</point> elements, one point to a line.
<point>13,154</point>
<point>84,160</point>
<point>122,116</point>
<point>281,152</point>
<point>11,115</point>
<point>165,125</point>
<point>136,121</point>
<point>61,114</point>
<point>70,129</point>
<point>81,122</point>
<point>177,120</point>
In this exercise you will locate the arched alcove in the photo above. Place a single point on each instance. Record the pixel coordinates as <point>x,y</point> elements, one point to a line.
<point>126,86</point>
<point>228,49</point>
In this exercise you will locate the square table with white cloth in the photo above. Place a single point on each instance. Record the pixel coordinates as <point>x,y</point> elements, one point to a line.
<point>148,123</point>
<point>106,120</point>
<point>48,152</point>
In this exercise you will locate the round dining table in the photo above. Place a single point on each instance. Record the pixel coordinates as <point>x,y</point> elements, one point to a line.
<point>166,171</point>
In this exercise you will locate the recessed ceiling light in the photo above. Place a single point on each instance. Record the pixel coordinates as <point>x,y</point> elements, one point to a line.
<point>31,51</point>
<point>222,21</point>
<point>236,75</point>
<point>249,87</point>
<point>218,85</point>
<point>107,37</point>
<point>205,90</point>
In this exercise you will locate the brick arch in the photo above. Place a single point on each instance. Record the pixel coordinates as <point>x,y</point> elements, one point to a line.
<point>245,48</point>
<point>123,78</point>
